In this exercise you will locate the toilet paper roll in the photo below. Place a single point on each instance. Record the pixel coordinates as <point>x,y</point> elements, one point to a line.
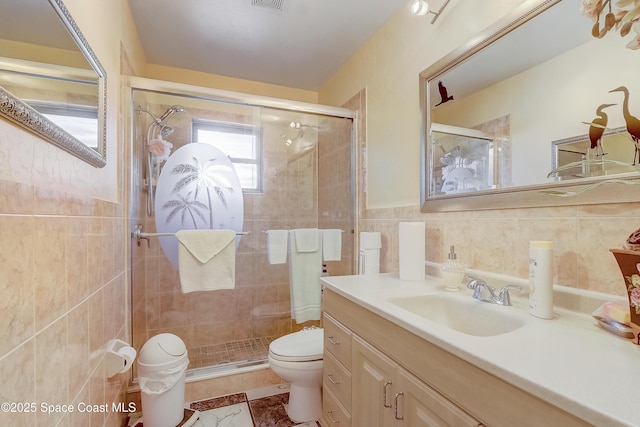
<point>411,251</point>
<point>128,355</point>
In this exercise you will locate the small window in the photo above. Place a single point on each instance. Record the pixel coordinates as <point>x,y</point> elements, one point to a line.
<point>80,121</point>
<point>242,143</point>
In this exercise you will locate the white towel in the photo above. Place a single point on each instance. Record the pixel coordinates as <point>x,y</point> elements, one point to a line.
<point>332,245</point>
<point>307,239</point>
<point>277,244</point>
<point>305,268</point>
<point>206,259</point>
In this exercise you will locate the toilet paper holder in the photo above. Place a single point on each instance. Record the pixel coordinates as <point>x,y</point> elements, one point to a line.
<point>119,357</point>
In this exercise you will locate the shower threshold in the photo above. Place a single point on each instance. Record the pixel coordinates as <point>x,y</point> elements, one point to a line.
<point>228,358</point>
<point>224,369</point>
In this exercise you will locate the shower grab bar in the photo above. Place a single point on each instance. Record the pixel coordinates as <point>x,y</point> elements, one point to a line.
<point>138,234</point>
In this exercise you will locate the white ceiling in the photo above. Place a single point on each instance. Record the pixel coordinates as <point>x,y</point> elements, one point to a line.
<point>300,45</point>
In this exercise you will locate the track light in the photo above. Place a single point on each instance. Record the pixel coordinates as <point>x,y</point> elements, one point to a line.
<point>421,8</point>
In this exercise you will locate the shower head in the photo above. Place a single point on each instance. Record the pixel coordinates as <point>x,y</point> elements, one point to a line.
<point>170,111</point>
<point>165,131</point>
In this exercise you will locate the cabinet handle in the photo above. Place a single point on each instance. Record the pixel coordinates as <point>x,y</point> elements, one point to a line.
<point>384,395</point>
<point>330,376</point>
<point>395,402</point>
<point>329,413</point>
<point>330,339</point>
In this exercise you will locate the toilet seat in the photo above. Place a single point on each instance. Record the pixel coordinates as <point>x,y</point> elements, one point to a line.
<point>304,346</point>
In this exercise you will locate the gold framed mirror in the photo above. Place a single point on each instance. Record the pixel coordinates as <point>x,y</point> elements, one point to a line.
<point>534,77</point>
<point>51,82</point>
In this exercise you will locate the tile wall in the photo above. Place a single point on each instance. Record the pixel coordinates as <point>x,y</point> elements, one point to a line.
<point>498,240</point>
<point>63,287</point>
<point>259,304</point>
<point>158,304</point>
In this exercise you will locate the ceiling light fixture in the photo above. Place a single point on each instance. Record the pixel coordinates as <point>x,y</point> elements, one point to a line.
<point>421,8</point>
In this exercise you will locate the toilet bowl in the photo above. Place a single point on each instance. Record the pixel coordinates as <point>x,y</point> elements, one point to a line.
<point>297,359</point>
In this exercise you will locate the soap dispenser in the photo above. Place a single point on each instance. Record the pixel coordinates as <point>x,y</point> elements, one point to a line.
<point>452,271</point>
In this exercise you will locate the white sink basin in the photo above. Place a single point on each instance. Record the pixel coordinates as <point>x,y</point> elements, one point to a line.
<point>463,313</point>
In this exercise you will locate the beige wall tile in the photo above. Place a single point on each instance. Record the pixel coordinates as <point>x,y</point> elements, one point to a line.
<point>51,369</point>
<point>17,305</point>
<point>19,384</point>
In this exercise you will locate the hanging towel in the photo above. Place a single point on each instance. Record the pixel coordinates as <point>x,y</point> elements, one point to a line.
<point>206,259</point>
<point>277,244</point>
<point>305,267</point>
<point>332,244</point>
<point>307,239</point>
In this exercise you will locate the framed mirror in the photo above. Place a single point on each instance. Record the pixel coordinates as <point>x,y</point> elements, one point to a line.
<point>51,82</point>
<point>497,109</point>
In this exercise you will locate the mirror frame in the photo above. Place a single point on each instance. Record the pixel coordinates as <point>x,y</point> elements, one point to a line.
<point>17,111</point>
<point>526,196</point>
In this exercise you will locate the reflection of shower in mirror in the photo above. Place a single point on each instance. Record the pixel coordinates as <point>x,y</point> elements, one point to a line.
<point>467,161</point>
<point>158,150</point>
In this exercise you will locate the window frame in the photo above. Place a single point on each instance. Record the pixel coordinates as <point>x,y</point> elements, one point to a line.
<point>237,128</point>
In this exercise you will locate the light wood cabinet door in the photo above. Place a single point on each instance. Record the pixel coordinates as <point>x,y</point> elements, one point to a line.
<point>337,340</point>
<point>373,377</point>
<point>418,405</point>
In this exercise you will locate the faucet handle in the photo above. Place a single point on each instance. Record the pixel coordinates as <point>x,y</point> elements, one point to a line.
<point>474,282</point>
<point>478,286</point>
<point>504,297</point>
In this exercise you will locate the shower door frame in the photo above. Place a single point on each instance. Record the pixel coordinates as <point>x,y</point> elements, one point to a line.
<point>132,83</point>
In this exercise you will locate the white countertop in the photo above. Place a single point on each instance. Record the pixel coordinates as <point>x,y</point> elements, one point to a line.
<point>568,361</point>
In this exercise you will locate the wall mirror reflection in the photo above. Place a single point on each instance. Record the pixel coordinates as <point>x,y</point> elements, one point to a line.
<point>533,79</point>
<point>50,80</point>
<point>582,156</point>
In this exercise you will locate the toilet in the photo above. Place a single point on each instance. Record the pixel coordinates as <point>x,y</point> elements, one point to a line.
<point>297,359</point>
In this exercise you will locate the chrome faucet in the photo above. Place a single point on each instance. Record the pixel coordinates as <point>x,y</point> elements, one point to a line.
<point>483,292</point>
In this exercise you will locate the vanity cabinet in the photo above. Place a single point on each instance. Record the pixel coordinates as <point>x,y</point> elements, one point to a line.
<point>397,378</point>
<point>336,382</point>
<point>385,394</point>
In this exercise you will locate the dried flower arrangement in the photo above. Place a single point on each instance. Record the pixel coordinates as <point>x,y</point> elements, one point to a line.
<point>624,17</point>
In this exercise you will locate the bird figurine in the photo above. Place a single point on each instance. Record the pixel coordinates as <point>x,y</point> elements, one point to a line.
<point>444,96</point>
<point>597,128</point>
<point>633,124</point>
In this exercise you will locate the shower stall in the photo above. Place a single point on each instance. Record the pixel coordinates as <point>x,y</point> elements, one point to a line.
<point>295,165</point>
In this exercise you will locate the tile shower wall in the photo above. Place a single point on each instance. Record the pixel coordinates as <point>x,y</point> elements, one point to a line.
<point>63,288</point>
<point>312,190</point>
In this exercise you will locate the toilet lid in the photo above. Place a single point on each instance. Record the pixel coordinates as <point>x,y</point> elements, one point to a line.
<point>299,346</point>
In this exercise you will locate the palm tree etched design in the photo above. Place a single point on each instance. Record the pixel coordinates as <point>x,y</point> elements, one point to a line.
<point>206,176</point>
<point>185,206</point>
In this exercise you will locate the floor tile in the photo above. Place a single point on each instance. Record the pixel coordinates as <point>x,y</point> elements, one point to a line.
<point>271,390</point>
<point>270,411</point>
<point>237,415</point>
<point>263,407</point>
<point>218,402</point>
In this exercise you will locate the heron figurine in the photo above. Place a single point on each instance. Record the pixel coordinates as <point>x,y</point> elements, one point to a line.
<point>633,124</point>
<point>444,96</point>
<point>597,128</point>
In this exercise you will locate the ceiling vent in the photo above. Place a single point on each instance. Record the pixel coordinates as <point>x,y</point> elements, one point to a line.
<point>271,4</point>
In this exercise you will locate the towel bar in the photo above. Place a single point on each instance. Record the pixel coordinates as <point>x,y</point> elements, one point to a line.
<point>138,234</point>
<point>342,231</point>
